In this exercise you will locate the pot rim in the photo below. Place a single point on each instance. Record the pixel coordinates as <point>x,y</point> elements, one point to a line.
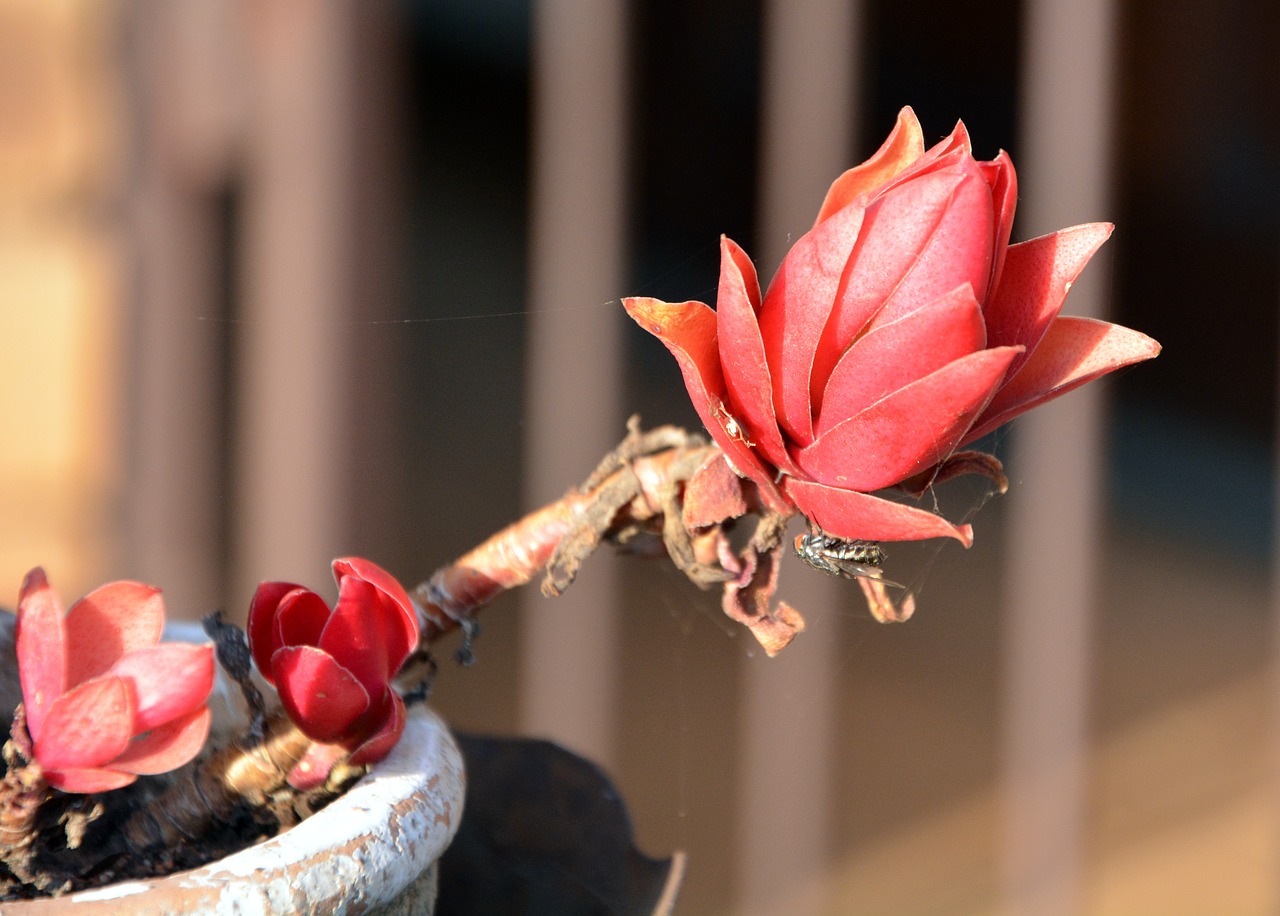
<point>352,853</point>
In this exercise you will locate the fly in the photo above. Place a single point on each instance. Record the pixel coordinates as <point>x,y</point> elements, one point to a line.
<point>839,557</point>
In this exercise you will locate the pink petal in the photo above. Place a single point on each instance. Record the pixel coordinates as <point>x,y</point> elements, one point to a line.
<point>41,649</point>
<point>262,622</point>
<point>111,620</point>
<point>314,766</point>
<point>1037,275</point>
<point>861,516</point>
<point>1072,352</point>
<point>167,747</point>
<point>741,350</point>
<point>904,146</point>
<point>385,738</point>
<point>367,634</point>
<point>371,572</point>
<point>300,618</point>
<point>796,309</point>
<point>893,355</point>
<point>323,698</point>
<point>88,726</point>
<point>688,329</point>
<point>170,680</point>
<point>910,429</point>
<point>920,240</point>
<point>88,781</point>
<point>1003,181</point>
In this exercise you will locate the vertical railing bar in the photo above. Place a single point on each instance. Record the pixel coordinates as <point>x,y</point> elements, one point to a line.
<point>574,373</point>
<point>785,797</point>
<point>1055,511</point>
<point>295,379</point>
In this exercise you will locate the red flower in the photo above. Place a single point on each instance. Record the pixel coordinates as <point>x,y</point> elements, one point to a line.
<point>333,669</point>
<point>104,701</point>
<point>901,327</point>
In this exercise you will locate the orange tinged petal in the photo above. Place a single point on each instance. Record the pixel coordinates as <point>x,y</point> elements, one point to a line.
<point>904,145</point>
<point>742,358</point>
<point>688,329</point>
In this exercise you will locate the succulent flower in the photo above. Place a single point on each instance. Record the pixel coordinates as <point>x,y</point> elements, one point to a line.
<point>333,668</point>
<point>104,700</point>
<point>900,328</point>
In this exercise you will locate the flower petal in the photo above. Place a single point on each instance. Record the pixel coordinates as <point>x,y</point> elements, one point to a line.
<point>262,622</point>
<point>88,726</point>
<point>688,329</point>
<point>322,697</point>
<point>1072,352</point>
<point>893,355</point>
<point>795,311</point>
<point>300,618</point>
<point>88,781</point>
<point>367,634</point>
<point>313,768</point>
<point>167,747</point>
<point>170,680</point>
<point>910,429</point>
<point>904,145</point>
<point>111,620</point>
<point>920,240</point>
<point>1003,181</point>
<point>860,516</point>
<point>1036,277</point>
<point>742,358</point>
<point>40,644</point>
<point>713,495</point>
<point>372,572</point>
<point>385,738</point>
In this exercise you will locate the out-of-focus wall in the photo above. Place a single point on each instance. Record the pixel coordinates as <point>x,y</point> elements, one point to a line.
<point>62,287</point>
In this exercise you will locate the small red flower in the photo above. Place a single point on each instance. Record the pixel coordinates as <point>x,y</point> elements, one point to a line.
<point>104,701</point>
<point>333,668</point>
<point>901,327</point>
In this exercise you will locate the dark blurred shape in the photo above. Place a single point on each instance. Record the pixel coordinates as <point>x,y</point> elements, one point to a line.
<point>544,831</point>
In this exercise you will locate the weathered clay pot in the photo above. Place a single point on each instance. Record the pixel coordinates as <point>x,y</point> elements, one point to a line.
<point>372,850</point>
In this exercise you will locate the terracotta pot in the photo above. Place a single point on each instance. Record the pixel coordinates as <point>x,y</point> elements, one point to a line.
<point>372,850</point>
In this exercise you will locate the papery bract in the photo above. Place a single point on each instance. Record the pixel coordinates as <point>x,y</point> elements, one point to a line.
<point>900,328</point>
<point>105,701</point>
<point>333,668</point>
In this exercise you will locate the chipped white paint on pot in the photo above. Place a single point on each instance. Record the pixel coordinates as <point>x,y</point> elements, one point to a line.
<point>373,850</point>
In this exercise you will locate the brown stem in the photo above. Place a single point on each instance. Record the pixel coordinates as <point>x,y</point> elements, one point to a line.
<point>632,486</point>
<point>636,499</point>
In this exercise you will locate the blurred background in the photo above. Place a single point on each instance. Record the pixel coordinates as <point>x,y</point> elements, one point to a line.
<point>282,280</point>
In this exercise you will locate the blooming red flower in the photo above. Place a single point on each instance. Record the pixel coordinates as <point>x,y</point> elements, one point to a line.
<point>901,327</point>
<point>333,668</point>
<point>104,701</point>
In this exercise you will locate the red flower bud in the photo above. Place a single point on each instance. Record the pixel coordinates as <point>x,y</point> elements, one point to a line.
<point>333,668</point>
